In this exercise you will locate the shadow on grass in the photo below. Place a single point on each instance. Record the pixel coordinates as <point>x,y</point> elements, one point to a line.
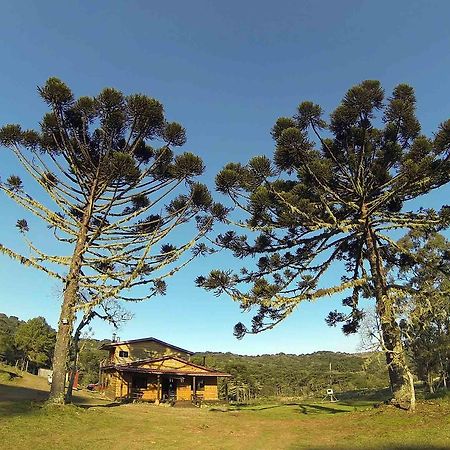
<point>11,393</point>
<point>19,400</point>
<point>303,408</point>
<point>262,408</point>
<point>97,405</point>
<point>245,407</point>
<point>18,408</point>
<point>379,395</point>
<point>319,409</point>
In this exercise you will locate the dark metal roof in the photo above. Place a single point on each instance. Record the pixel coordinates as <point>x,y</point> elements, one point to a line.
<point>148,339</point>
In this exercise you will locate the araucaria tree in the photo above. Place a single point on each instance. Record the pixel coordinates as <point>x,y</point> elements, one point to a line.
<point>116,200</point>
<point>330,199</point>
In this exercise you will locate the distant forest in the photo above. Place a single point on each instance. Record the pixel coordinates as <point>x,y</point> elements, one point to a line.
<point>280,375</point>
<point>30,345</point>
<point>286,375</point>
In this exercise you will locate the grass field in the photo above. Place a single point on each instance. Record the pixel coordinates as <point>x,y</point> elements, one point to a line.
<point>26,423</point>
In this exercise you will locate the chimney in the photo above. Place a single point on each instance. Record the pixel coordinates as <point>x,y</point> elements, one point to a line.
<point>204,360</point>
<point>114,337</point>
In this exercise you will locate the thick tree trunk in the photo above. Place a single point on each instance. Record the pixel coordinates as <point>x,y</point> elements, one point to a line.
<point>62,345</point>
<point>399,374</point>
<point>76,351</point>
<point>68,314</point>
<point>73,370</point>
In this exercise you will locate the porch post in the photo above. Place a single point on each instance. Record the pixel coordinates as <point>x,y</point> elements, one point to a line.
<point>158,397</point>
<point>194,387</point>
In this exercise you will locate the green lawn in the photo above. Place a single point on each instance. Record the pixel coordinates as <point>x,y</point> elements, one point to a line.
<point>25,423</point>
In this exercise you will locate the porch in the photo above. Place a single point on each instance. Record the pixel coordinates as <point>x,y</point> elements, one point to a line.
<point>169,378</point>
<point>166,387</point>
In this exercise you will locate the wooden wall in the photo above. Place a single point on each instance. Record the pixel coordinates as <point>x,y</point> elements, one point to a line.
<point>210,391</point>
<point>110,381</point>
<point>143,350</point>
<point>151,393</point>
<point>119,385</point>
<point>172,365</point>
<point>184,391</point>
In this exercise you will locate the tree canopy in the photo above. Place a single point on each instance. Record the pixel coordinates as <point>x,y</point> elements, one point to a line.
<point>35,339</point>
<point>119,190</point>
<point>8,327</point>
<point>334,191</point>
<point>426,307</point>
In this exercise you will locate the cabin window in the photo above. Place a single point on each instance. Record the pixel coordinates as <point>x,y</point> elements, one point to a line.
<point>199,385</point>
<point>140,382</point>
<point>123,354</point>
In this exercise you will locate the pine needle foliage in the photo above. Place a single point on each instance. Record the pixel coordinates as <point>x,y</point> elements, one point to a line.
<point>425,320</point>
<point>333,192</point>
<point>118,189</point>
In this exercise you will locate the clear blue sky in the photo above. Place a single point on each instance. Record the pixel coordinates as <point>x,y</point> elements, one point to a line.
<point>225,70</point>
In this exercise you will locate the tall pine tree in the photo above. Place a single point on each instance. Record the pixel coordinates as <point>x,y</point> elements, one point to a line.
<point>118,192</point>
<point>334,192</point>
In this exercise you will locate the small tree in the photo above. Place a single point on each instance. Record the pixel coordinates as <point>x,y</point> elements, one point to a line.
<point>90,358</point>
<point>8,327</point>
<point>115,199</point>
<point>426,321</point>
<point>333,197</point>
<point>36,340</point>
<point>110,311</point>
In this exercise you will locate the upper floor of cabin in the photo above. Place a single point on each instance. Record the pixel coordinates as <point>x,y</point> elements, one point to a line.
<point>124,352</point>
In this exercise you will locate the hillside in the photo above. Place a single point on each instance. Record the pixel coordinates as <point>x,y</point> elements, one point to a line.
<point>300,375</point>
<point>280,375</point>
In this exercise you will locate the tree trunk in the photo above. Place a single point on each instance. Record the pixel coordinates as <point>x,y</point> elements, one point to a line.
<point>444,372</point>
<point>68,315</point>
<point>63,339</point>
<point>76,351</point>
<point>73,370</point>
<point>430,382</point>
<point>399,374</point>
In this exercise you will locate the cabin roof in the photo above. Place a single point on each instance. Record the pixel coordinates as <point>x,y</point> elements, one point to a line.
<point>134,367</point>
<point>147,339</point>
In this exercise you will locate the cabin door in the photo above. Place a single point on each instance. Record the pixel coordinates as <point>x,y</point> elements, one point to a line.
<point>169,388</point>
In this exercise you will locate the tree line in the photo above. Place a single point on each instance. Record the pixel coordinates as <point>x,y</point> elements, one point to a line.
<point>289,375</point>
<point>280,375</point>
<point>333,195</point>
<point>28,345</point>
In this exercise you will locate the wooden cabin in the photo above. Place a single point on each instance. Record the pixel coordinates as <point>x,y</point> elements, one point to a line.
<point>153,370</point>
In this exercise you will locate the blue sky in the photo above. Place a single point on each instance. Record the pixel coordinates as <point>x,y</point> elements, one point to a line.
<point>225,70</point>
